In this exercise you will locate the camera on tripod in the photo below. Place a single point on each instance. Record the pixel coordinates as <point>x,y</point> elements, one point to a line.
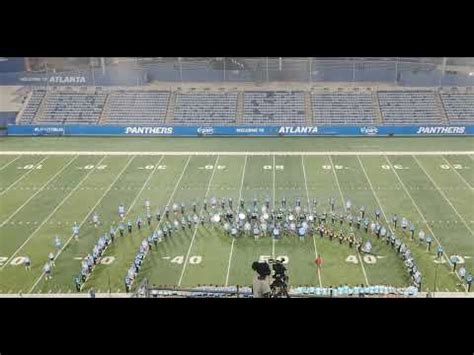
<point>279,285</point>
<point>278,288</point>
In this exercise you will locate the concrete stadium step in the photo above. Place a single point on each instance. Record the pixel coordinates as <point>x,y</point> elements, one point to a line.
<point>240,108</point>
<point>378,112</point>
<point>441,108</point>
<point>308,108</point>
<point>171,107</point>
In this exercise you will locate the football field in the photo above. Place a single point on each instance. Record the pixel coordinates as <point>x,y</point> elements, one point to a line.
<point>47,184</point>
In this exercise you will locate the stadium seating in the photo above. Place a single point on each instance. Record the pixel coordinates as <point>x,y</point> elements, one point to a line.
<point>72,107</point>
<point>459,105</point>
<point>343,107</point>
<point>408,107</point>
<point>201,107</point>
<point>274,107</point>
<point>32,107</point>
<point>91,105</point>
<point>140,107</point>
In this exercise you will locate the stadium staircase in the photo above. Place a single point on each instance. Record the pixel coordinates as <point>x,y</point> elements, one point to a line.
<point>376,102</point>
<point>41,108</point>
<point>440,105</point>
<point>239,113</point>
<point>171,106</point>
<point>308,108</point>
<point>105,110</point>
<point>19,117</point>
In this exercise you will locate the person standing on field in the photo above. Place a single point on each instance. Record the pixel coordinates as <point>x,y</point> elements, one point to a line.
<point>319,262</point>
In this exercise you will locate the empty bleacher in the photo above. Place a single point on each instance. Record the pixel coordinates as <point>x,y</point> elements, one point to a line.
<point>357,106</point>
<point>343,107</point>
<point>205,107</point>
<point>408,107</point>
<point>273,107</point>
<point>459,105</point>
<point>32,106</point>
<point>72,107</point>
<point>138,107</point>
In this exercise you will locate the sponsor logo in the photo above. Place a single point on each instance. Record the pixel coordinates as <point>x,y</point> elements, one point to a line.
<point>298,130</point>
<point>369,130</point>
<point>67,79</point>
<point>247,130</point>
<point>32,78</point>
<point>205,130</point>
<point>149,130</point>
<point>49,130</point>
<point>441,130</point>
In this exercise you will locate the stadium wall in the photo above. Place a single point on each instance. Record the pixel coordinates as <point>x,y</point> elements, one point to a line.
<point>7,117</point>
<point>114,76</point>
<point>238,131</point>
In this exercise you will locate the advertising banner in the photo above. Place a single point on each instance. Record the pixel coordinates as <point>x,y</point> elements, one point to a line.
<point>206,131</point>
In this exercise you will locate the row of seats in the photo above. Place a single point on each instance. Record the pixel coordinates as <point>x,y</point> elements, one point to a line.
<point>459,106</point>
<point>32,106</point>
<point>274,107</point>
<point>258,107</point>
<point>409,107</point>
<point>343,107</point>
<point>73,107</point>
<point>199,107</point>
<point>141,107</point>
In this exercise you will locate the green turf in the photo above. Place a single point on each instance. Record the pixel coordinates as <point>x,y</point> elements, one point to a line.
<point>237,144</point>
<point>39,203</point>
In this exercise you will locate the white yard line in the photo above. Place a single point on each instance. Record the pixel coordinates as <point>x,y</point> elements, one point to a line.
<point>375,195</point>
<point>50,215</point>
<point>197,225</point>
<point>457,172</point>
<point>419,212</point>
<point>23,176</point>
<point>238,209</point>
<point>343,206</point>
<point>321,153</point>
<point>86,217</point>
<point>443,194</point>
<point>309,209</point>
<point>174,191</point>
<point>128,211</point>
<point>144,185</point>
<point>273,204</point>
<point>11,162</point>
<point>38,191</point>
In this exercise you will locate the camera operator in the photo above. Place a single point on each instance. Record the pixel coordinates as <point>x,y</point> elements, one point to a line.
<point>261,282</point>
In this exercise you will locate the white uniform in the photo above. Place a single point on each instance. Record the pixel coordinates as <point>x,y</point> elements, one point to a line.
<point>51,258</point>
<point>121,211</point>
<point>348,205</point>
<point>421,235</point>
<point>404,223</point>
<point>75,231</point>
<point>47,271</point>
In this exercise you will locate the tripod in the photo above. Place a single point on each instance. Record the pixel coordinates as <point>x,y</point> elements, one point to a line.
<point>279,287</point>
